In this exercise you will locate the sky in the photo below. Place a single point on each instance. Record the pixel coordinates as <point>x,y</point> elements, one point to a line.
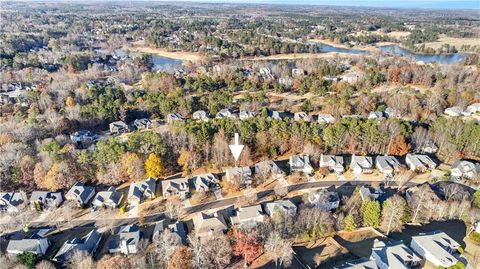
<point>436,4</point>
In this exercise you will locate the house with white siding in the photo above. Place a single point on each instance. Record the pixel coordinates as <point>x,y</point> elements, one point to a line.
<point>436,247</point>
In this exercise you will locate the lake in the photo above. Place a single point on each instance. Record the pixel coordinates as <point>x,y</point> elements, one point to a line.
<point>426,58</point>
<point>397,50</point>
<point>160,63</point>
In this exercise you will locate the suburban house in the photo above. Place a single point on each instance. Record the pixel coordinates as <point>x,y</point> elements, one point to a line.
<point>177,228</point>
<point>297,72</point>
<point>118,127</point>
<point>418,162</point>
<point>87,243</point>
<point>436,247</point>
<point>302,116</point>
<point>392,255</point>
<point>83,136</point>
<point>376,115</point>
<point>454,111</point>
<point>361,164</point>
<point>267,169</point>
<point>276,115</point>
<point>266,73</point>
<point>173,117</point>
<point>325,118</point>
<point>125,241</point>
<point>369,193</point>
<point>300,164</point>
<point>473,108</point>
<point>287,81</point>
<point>200,115</point>
<point>176,187</point>
<point>140,191</point>
<point>324,199</point>
<point>142,123</point>
<point>387,164</point>
<point>352,77</point>
<point>392,113</point>
<point>209,224</point>
<point>239,175</point>
<point>245,114</point>
<point>32,242</point>
<point>205,182</point>
<point>428,147</point>
<point>332,162</point>
<point>41,200</point>
<point>249,216</point>
<point>12,201</point>
<point>362,263</point>
<point>284,207</point>
<point>225,113</point>
<point>465,169</point>
<point>80,194</point>
<point>110,198</point>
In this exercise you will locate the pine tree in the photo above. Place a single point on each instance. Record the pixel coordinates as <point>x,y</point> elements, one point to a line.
<point>371,213</point>
<point>350,223</point>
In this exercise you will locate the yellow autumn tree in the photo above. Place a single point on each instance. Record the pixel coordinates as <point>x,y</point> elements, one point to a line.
<point>70,102</point>
<point>57,177</point>
<point>153,166</point>
<point>132,166</point>
<point>185,159</point>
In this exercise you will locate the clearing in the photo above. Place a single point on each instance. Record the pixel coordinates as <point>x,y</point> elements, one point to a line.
<point>180,55</point>
<point>453,41</point>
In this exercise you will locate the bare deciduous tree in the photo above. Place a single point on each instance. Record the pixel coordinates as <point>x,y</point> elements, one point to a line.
<point>80,260</point>
<point>279,249</point>
<point>214,252</point>
<point>392,214</point>
<point>174,207</point>
<point>165,244</point>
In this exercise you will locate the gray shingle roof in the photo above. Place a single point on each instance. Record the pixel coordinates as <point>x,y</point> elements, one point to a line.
<point>87,243</point>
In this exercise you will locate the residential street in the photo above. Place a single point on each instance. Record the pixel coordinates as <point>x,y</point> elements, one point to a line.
<point>217,204</point>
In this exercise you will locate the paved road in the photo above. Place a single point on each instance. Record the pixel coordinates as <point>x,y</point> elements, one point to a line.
<point>81,224</point>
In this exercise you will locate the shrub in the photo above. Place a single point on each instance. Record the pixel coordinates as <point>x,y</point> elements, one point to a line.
<point>475,237</point>
<point>28,259</point>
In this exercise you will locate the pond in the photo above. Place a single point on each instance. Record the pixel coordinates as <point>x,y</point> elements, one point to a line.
<point>161,63</point>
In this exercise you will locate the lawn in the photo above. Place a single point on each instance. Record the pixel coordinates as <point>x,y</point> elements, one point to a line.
<point>323,253</point>
<point>359,242</point>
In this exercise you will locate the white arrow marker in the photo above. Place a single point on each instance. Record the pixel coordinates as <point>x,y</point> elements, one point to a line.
<point>236,148</point>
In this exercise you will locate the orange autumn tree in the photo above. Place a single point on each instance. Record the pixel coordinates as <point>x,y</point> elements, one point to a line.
<point>246,244</point>
<point>395,75</point>
<point>399,146</point>
<point>181,258</point>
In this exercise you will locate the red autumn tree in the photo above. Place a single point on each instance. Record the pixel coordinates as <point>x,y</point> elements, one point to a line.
<point>399,146</point>
<point>246,244</point>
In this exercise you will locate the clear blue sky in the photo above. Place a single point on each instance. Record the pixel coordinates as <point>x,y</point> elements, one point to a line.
<point>440,4</point>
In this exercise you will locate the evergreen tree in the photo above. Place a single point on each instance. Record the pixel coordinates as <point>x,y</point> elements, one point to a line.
<point>371,213</point>
<point>350,223</point>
